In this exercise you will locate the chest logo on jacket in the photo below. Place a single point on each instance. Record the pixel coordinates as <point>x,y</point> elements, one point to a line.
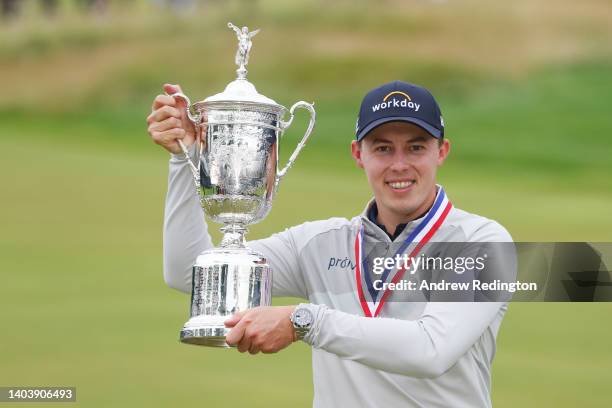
<point>341,263</point>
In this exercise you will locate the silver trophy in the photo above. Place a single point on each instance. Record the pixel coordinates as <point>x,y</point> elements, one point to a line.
<point>236,176</point>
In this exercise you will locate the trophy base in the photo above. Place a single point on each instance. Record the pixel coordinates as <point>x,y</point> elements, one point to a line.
<point>225,281</point>
<point>205,336</point>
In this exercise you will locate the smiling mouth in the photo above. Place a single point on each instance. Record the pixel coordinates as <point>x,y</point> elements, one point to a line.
<point>400,185</point>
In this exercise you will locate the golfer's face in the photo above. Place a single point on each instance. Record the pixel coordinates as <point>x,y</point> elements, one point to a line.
<point>400,161</point>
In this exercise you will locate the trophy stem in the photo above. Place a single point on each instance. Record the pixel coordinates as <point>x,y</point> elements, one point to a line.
<point>233,236</point>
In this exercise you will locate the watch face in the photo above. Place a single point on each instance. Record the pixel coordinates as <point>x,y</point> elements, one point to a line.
<point>303,317</point>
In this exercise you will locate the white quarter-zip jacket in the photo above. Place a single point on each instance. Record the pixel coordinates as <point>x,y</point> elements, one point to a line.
<point>414,354</point>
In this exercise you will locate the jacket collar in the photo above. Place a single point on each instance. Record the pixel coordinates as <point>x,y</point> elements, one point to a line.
<point>373,230</point>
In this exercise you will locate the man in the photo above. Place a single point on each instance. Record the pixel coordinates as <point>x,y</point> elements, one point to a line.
<point>421,354</point>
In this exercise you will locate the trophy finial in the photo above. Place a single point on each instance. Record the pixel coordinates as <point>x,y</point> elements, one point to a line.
<point>244,47</point>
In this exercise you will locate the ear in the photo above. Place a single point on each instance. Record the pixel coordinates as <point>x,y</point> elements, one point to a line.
<point>443,151</point>
<point>356,153</point>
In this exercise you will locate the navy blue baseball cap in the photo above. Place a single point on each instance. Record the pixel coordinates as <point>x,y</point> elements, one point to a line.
<point>403,102</point>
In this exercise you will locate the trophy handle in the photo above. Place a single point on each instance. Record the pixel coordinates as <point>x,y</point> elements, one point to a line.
<point>195,118</point>
<point>284,125</point>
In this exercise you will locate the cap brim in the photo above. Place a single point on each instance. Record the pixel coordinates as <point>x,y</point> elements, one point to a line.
<point>420,123</point>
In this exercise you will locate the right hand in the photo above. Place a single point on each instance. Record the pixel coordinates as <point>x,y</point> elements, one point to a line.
<point>168,121</point>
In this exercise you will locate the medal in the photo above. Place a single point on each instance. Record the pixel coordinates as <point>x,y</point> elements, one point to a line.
<point>370,301</point>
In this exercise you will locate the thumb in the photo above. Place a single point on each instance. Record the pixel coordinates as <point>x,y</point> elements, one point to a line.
<point>171,89</point>
<point>232,321</point>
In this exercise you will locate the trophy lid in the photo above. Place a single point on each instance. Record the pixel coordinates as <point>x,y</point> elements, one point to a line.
<point>240,90</point>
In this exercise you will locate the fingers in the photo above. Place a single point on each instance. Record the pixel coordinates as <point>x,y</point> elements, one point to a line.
<point>168,121</point>
<point>236,334</point>
<point>166,99</point>
<point>170,89</point>
<point>168,139</point>
<point>254,349</point>
<point>162,100</point>
<point>164,112</point>
<point>232,321</point>
<point>245,344</point>
<point>166,124</point>
<point>258,330</point>
<point>251,341</point>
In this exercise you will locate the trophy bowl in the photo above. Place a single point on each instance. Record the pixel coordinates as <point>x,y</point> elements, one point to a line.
<point>239,160</point>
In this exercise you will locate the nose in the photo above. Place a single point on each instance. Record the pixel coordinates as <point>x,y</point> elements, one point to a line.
<point>400,161</point>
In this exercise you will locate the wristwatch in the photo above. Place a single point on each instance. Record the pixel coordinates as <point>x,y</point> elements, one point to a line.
<point>302,319</point>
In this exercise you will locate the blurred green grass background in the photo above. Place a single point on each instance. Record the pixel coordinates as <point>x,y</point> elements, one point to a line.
<point>526,92</point>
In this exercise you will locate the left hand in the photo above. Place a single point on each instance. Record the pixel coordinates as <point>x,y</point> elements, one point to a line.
<point>266,328</point>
